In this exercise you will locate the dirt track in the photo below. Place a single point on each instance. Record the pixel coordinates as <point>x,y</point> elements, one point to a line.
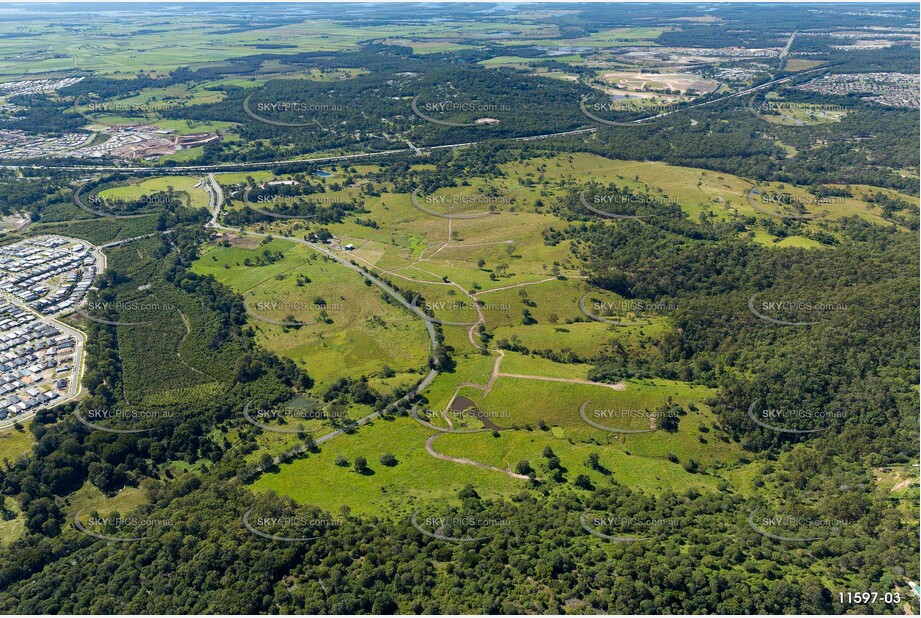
<point>467,462</point>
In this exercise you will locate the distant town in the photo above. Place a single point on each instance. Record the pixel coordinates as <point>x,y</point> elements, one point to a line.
<point>891,89</point>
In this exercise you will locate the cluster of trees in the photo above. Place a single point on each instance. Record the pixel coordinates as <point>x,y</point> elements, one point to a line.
<point>893,208</point>
<point>857,363</point>
<point>357,113</point>
<point>725,137</point>
<point>295,200</point>
<point>68,453</point>
<point>22,195</point>
<point>697,556</point>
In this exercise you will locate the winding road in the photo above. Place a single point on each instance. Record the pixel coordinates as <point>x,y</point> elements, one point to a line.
<point>216,202</point>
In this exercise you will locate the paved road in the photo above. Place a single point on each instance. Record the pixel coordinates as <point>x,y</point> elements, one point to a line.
<point>734,95</point>
<point>219,167</point>
<point>215,199</point>
<point>410,149</point>
<point>786,51</point>
<point>75,379</point>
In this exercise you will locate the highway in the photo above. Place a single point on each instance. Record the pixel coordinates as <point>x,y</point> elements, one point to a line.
<point>227,167</point>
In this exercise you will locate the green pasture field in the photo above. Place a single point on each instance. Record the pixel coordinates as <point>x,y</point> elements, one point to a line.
<point>424,46</point>
<point>529,402</point>
<point>184,155</point>
<point>514,362</point>
<point>525,62</point>
<point>416,250</point>
<point>615,37</point>
<point>229,178</point>
<point>89,498</point>
<point>276,443</point>
<point>273,70</point>
<point>365,333</point>
<point>695,190</point>
<point>118,46</point>
<point>472,368</point>
<point>390,491</point>
<point>648,473</point>
<point>158,99</point>
<point>768,240</point>
<point>420,477</point>
<point>198,196</point>
<point>837,208</point>
<point>13,525</point>
<point>185,127</point>
<point>15,443</point>
<point>421,246</point>
<point>418,247</point>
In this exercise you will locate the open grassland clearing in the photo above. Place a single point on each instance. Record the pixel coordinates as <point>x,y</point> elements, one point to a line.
<point>274,69</point>
<point>149,105</point>
<point>229,178</point>
<point>647,460</point>
<point>548,301</point>
<point>197,195</point>
<point>418,246</point>
<point>534,403</point>
<point>783,198</point>
<point>520,62</point>
<point>522,364</point>
<point>429,46</point>
<point>695,190</point>
<point>547,316</point>
<point>360,332</point>
<point>12,523</point>
<point>15,442</point>
<point>423,247</point>
<point>88,498</point>
<point>585,339</point>
<point>469,368</point>
<point>185,155</point>
<point>652,474</point>
<point>292,432</point>
<point>389,490</point>
<point>417,476</point>
<point>185,127</point>
<point>899,484</point>
<point>764,238</point>
<point>541,398</point>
